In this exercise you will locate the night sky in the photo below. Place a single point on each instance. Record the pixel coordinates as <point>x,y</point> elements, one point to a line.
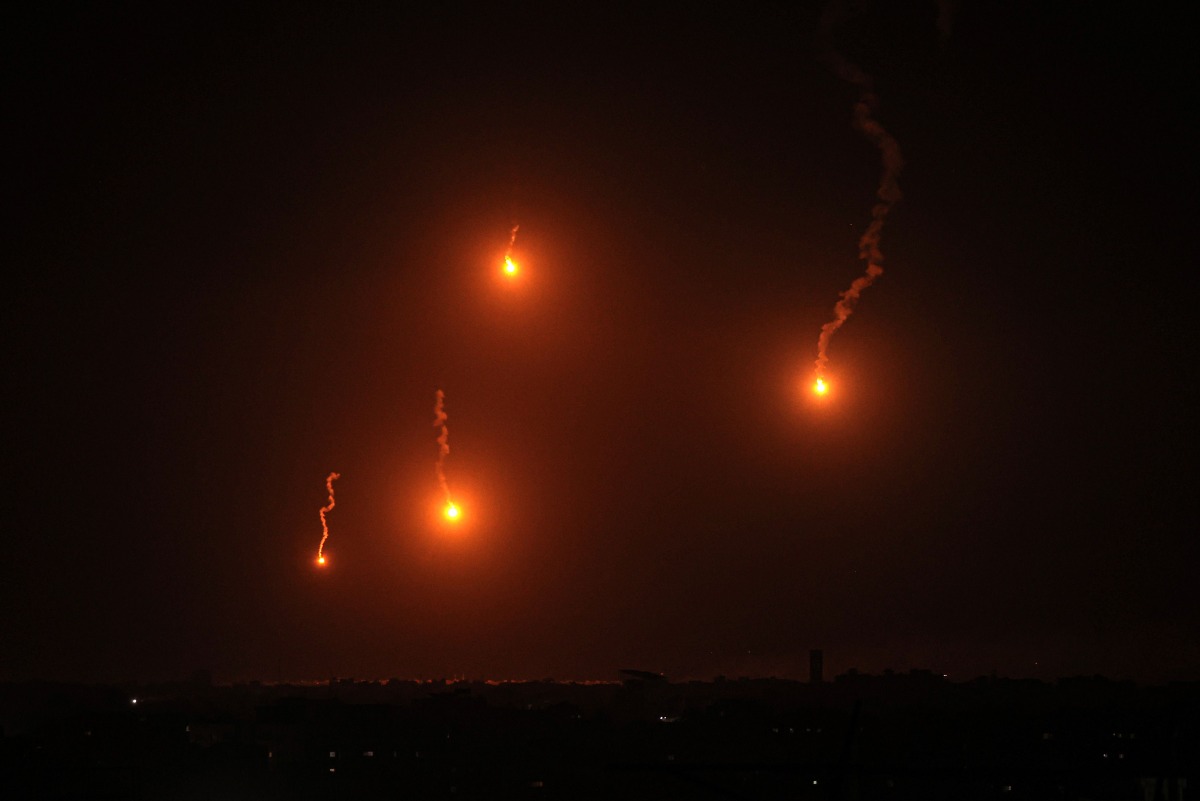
<point>245,248</point>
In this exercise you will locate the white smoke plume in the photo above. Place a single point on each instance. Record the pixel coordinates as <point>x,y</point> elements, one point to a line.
<point>888,192</point>
<point>443,440</point>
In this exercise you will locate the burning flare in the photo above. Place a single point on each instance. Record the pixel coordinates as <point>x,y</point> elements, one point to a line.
<point>510,266</point>
<point>888,191</point>
<point>820,387</point>
<point>324,525</point>
<point>443,441</point>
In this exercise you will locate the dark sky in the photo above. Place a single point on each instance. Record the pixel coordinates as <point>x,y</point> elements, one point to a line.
<point>245,248</point>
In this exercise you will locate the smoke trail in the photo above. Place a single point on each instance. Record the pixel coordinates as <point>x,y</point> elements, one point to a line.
<point>510,266</point>
<point>888,191</point>
<point>443,441</point>
<point>325,526</point>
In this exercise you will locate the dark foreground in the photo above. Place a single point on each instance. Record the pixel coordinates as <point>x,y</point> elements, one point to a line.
<point>902,736</point>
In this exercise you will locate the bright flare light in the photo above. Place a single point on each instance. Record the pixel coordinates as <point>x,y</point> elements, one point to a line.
<point>324,524</point>
<point>452,512</point>
<point>510,266</point>
<point>820,387</point>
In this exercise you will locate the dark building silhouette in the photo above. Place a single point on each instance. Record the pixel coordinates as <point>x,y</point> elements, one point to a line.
<point>913,736</point>
<point>816,661</point>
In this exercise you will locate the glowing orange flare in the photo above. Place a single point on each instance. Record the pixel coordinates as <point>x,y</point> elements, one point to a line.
<point>325,525</point>
<point>452,512</point>
<point>820,387</point>
<point>510,266</point>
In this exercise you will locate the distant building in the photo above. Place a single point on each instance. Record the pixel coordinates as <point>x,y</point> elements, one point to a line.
<point>816,660</point>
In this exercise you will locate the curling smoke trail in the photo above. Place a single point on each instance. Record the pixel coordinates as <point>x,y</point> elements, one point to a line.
<point>888,192</point>
<point>324,525</point>
<point>510,266</point>
<point>443,441</point>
